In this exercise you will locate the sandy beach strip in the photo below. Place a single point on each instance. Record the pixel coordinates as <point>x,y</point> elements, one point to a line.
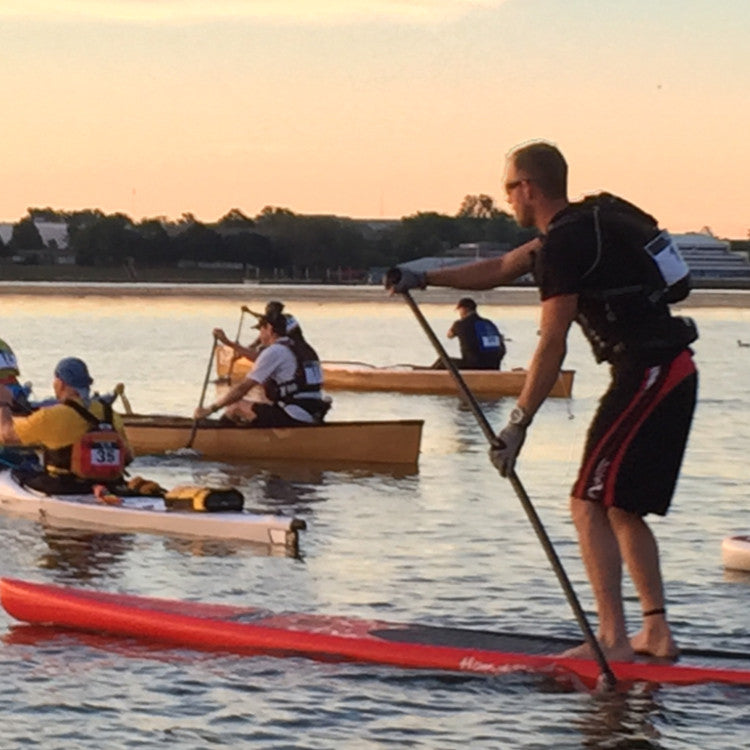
<point>511,295</point>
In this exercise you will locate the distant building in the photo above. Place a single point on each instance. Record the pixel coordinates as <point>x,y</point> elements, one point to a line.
<point>54,234</point>
<point>710,258</point>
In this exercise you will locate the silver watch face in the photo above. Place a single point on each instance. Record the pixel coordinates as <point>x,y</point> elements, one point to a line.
<point>517,416</point>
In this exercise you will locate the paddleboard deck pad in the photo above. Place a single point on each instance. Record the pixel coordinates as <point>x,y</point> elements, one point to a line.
<point>236,629</point>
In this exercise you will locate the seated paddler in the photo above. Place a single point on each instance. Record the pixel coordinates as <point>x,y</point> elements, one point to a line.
<point>292,380</point>
<point>9,375</point>
<point>273,309</point>
<point>82,439</point>
<point>13,457</point>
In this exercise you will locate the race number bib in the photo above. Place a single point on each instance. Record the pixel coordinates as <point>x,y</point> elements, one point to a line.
<point>106,454</point>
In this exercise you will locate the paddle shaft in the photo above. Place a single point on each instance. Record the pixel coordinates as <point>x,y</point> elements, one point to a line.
<point>528,506</point>
<point>243,310</point>
<point>203,393</point>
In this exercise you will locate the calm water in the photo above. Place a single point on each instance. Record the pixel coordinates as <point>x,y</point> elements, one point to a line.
<point>448,544</point>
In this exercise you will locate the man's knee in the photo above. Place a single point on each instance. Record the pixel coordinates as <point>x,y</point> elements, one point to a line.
<point>585,512</point>
<point>242,410</point>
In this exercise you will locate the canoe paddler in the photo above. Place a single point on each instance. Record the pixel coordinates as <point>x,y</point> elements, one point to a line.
<point>482,344</point>
<point>290,375</point>
<point>595,262</point>
<point>274,309</point>
<point>83,440</point>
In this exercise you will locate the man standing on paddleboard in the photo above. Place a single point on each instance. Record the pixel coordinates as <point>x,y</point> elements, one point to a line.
<point>604,264</point>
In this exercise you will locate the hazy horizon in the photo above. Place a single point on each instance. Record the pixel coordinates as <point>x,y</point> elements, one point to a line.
<point>371,108</point>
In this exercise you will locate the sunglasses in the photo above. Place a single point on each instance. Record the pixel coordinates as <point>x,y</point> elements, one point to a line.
<point>511,186</point>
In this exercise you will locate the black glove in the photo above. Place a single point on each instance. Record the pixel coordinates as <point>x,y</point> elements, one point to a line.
<point>511,438</point>
<point>404,279</point>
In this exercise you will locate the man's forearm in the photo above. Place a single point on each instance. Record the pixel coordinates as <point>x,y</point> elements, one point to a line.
<point>486,274</point>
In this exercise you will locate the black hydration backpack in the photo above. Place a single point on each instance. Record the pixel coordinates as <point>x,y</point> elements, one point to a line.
<point>657,243</point>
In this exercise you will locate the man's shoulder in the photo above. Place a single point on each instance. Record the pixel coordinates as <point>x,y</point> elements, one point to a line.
<point>272,355</point>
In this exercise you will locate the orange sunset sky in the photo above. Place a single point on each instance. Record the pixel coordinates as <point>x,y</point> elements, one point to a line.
<point>371,108</point>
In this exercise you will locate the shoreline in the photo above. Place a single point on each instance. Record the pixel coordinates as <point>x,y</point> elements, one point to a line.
<point>511,295</point>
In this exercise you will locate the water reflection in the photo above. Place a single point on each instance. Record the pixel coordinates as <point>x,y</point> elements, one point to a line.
<point>79,556</point>
<point>737,576</point>
<point>621,720</point>
<point>197,547</point>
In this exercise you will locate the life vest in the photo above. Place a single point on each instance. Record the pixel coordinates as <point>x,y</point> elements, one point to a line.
<point>305,389</point>
<point>20,405</point>
<point>308,377</point>
<point>98,455</point>
<point>631,315</point>
<point>489,338</point>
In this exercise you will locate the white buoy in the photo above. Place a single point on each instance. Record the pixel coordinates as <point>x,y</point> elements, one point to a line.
<point>735,552</point>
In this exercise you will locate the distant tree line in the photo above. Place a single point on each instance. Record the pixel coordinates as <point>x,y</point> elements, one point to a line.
<point>276,240</point>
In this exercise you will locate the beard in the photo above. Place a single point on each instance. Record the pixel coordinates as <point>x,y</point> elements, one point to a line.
<point>525,217</point>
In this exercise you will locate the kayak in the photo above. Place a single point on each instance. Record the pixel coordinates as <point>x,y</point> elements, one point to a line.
<point>238,629</point>
<point>147,514</point>
<point>359,376</point>
<point>735,552</point>
<point>394,442</point>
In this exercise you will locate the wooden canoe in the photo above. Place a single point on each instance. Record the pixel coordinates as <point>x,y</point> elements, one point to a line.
<point>405,378</point>
<point>383,442</point>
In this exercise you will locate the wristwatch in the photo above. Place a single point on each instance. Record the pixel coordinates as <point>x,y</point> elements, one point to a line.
<point>519,417</point>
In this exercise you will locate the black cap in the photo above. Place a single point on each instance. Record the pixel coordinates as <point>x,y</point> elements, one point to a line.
<point>467,302</point>
<point>277,323</point>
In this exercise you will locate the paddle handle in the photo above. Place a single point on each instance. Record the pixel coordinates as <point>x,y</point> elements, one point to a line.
<point>528,506</point>
<point>120,391</point>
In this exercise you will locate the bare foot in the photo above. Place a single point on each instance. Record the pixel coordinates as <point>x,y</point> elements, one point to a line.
<point>619,652</point>
<point>655,641</point>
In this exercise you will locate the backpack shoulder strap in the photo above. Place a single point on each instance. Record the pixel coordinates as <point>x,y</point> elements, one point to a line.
<point>82,411</point>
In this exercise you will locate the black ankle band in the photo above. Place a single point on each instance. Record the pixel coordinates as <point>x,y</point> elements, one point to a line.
<point>659,611</point>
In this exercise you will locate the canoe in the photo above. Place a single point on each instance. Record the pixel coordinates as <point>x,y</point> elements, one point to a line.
<point>146,514</point>
<point>482,383</point>
<point>735,552</point>
<point>252,631</point>
<point>394,442</point>
<point>357,376</point>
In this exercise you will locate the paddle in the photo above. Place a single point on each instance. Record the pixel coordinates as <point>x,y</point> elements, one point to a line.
<point>244,309</point>
<point>203,393</point>
<point>119,390</point>
<point>580,615</point>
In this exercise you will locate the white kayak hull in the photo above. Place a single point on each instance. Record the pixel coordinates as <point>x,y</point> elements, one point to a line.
<point>145,514</point>
<point>735,552</point>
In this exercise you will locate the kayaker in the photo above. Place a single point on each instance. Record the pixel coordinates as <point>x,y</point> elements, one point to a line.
<point>15,457</point>
<point>9,374</point>
<point>291,377</point>
<point>482,344</point>
<point>601,263</point>
<point>83,440</point>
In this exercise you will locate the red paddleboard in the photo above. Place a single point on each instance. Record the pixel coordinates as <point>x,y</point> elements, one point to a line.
<point>218,627</point>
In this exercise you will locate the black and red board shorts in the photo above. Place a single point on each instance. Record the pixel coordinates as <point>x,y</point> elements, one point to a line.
<point>637,438</point>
